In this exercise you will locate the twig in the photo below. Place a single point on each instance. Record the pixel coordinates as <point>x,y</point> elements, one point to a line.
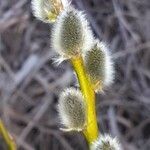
<point>7,137</point>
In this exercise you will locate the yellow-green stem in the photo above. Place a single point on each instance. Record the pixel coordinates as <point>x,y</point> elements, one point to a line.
<point>91,130</point>
<point>7,137</point>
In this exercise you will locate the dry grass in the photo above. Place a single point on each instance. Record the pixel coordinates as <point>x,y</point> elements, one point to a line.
<point>30,82</point>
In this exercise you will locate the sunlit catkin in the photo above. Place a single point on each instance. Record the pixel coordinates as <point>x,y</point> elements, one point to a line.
<point>47,10</point>
<point>72,110</point>
<point>106,142</point>
<point>71,33</point>
<point>99,66</point>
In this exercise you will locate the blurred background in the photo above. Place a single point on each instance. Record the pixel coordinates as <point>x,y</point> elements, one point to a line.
<point>30,82</point>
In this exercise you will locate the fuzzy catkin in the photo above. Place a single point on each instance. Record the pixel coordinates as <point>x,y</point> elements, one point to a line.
<point>95,64</point>
<point>40,9</point>
<point>106,142</point>
<point>99,66</point>
<point>47,10</point>
<point>71,33</point>
<point>72,109</point>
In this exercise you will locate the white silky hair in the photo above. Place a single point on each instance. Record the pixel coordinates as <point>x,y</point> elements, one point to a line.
<point>106,139</point>
<point>86,33</point>
<point>99,55</point>
<point>40,9</point>
<point>66,3</point>
<point>71,120</point>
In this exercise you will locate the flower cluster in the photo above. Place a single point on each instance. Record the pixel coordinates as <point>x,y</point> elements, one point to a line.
<point>72,39</point>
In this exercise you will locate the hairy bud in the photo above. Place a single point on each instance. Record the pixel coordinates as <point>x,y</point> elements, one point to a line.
<point>71,33</point>
<point>106,142</point>
<point>72,110</point>
<point>47,10</point>
<point>99,66</point>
